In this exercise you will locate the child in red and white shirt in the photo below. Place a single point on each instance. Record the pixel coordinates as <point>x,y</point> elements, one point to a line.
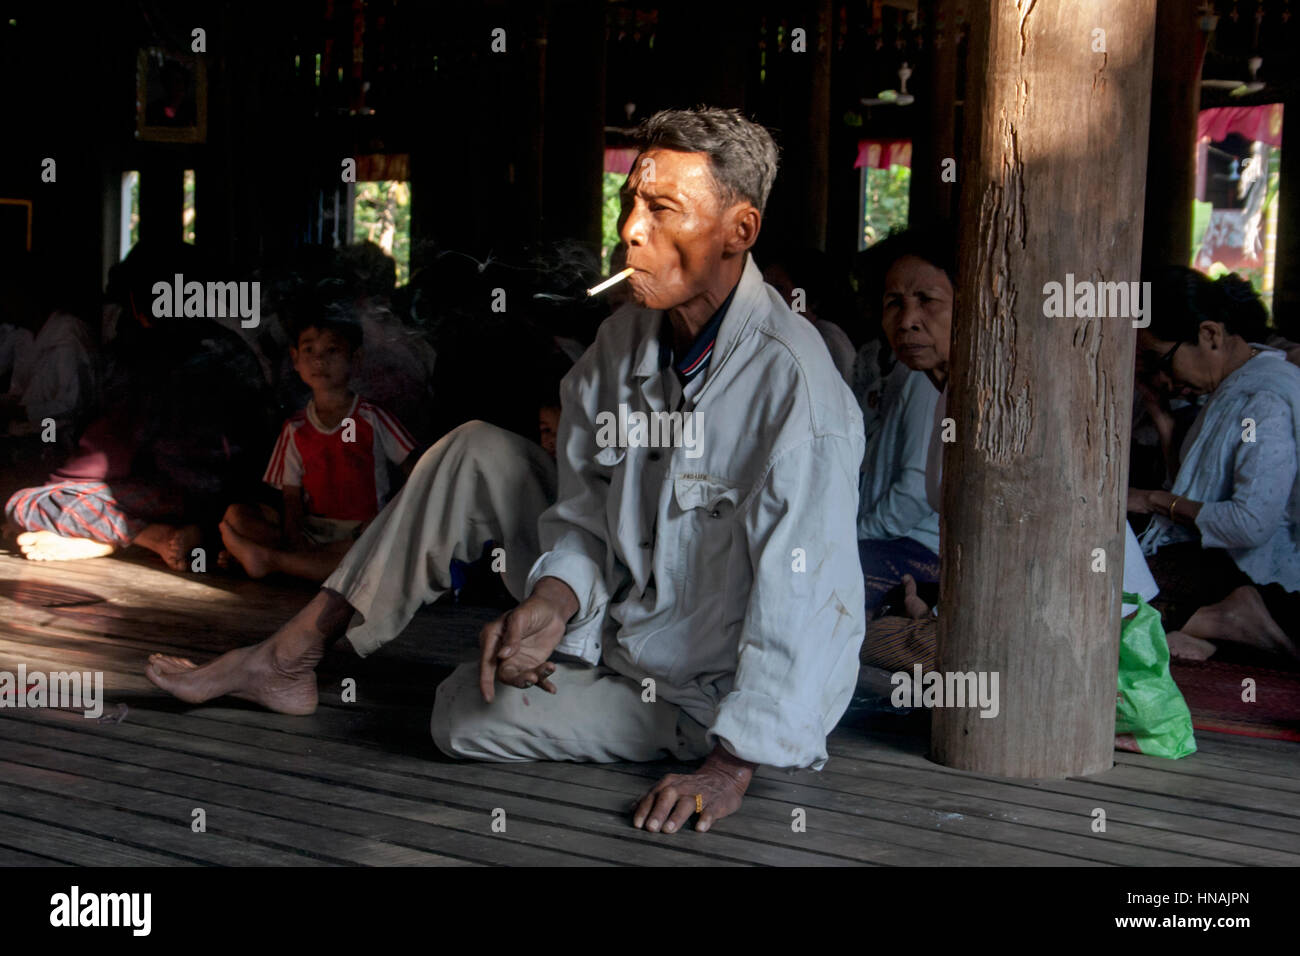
<point>330,463</point>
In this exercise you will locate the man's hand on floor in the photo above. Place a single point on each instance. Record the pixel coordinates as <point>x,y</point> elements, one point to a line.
<point>516,647</point>
<point>720,782</point>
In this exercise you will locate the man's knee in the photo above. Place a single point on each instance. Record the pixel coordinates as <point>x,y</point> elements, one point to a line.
<point>474,440</point>
<point>440,723</point>
<point>456,722</point>
<point>480,448</point>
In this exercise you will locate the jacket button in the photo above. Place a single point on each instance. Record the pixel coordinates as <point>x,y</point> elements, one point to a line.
<point>654,456</point>
<point>645,544</point>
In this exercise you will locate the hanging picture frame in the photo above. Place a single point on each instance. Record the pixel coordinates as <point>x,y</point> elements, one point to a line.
<point>171,97</point>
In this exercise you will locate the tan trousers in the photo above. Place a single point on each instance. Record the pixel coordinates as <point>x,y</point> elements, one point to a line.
<point>596,714</point>
<point>481,483</point>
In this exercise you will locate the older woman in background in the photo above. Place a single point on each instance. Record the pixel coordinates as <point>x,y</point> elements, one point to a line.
<point>1225,538</point>
<point>898,528</point>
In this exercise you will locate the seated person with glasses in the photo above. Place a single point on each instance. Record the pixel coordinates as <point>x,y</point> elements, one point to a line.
<point>1224,540</point>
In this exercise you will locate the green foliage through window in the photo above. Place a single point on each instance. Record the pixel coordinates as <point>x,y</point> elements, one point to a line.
<point>381,214</point>
<point>884,202</point>
<point>610,208</point>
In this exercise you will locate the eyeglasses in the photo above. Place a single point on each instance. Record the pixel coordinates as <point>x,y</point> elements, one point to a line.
<point>1166,363</point>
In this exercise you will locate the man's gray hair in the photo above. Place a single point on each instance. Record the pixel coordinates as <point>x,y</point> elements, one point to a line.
<point>742,154</point>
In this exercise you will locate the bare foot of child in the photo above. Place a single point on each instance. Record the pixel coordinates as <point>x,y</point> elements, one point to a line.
<point>253,557</point>
<point>48,546</point>
<point>1184,647</point>
<point>174,545</point>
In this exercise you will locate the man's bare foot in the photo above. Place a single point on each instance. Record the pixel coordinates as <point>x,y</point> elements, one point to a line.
<point>254,673</point>
<point>278,673</point>
<point>254,558</point>
<point>48,546</point>
<point>1184,647</point>
<point>173,544</point>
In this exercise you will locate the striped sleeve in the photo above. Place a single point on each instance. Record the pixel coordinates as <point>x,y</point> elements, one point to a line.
<point>285,466</point>
<point>395,440</point>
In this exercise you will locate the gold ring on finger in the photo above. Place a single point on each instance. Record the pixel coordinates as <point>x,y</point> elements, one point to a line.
<point>699,803</point>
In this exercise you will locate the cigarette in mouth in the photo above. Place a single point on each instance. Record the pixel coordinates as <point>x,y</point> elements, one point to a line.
<point>612,280</point>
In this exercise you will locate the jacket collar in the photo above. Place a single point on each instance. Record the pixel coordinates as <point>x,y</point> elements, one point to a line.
<point>746,296</point>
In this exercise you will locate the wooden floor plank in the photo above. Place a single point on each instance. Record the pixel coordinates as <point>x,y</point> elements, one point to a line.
<point>11,856</point>
<point>75,846</point>
<point>1225,764</point>
<point>234,837</point>
<point>1215,742</point>
<point>368,814</point>
<point>888,750</point>
<point>1035,806</point>
<point>1263,829</point>
<point>1190,766</point>
<point>134,842</point>
<point>536,834</point>
<point>156,819</point>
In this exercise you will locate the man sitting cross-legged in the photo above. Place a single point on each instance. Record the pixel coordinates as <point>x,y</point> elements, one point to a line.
<point>698,598</point>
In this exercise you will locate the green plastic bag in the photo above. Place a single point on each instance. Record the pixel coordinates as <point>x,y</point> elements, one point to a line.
<point>1149,708</point>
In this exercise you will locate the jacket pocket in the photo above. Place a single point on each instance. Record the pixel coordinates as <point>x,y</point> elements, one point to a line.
<point>715,498</point>
<point>704,535</point>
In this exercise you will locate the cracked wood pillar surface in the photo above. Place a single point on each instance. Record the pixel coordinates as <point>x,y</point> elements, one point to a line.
<point>1053,171</point>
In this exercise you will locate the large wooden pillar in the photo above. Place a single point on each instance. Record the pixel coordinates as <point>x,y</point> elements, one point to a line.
<point>1054,165</point>
<point>1171,148</point>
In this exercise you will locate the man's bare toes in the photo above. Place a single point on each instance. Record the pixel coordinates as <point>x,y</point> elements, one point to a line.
<point>167,664</point>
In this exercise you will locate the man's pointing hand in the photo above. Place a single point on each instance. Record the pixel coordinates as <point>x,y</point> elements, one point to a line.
<point>516,647</point>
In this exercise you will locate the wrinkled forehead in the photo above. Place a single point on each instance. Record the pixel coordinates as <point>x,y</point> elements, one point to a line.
<point>911,273</point>
<point>687,177</point>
